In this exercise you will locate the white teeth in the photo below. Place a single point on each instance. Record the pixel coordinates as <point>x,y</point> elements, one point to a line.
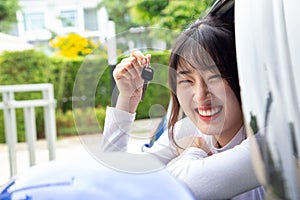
<point>211,112</point>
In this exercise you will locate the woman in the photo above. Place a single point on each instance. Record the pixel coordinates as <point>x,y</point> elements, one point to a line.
<point>203,80</point>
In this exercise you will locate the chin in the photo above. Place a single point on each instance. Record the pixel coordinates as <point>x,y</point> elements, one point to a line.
<point>210,129</point>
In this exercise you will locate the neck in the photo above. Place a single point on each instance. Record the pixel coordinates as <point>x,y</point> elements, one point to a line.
<point>225,137</point>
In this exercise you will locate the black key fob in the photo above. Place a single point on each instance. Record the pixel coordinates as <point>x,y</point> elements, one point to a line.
<point>147,73</point>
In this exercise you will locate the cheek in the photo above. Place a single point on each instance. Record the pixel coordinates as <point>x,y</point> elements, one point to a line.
<point>232,105</point>
<point>225,94</point>
<point>220,91</point>
<point>184,97</point>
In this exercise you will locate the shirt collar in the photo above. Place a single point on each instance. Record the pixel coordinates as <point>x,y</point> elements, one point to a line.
<point>237,139</point>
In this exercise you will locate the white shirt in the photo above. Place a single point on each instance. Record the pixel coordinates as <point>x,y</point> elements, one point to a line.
<point>220,176</point>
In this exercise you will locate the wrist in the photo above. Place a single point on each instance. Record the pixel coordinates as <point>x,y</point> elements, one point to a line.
<point>128,103</point>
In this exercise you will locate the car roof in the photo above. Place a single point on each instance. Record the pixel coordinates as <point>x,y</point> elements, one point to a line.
<point>223,9</point>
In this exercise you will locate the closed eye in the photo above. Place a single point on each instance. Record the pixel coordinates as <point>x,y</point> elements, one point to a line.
<point>216,76</point>
<point>184,81</point>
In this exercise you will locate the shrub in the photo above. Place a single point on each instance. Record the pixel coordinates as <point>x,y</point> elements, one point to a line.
<point>86,124</point>
<point>28,67</point>
<point>157,92</point>
<point>25,67</point>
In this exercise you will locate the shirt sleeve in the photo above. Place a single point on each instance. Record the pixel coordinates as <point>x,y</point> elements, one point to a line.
<point>116,134</point>
<point>179,166</point>
<point>218,176</point>
<point>116,131</point>
<point>162,149</point>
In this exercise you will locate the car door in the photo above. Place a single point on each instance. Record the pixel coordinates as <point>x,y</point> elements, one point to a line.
<point>268,44</point>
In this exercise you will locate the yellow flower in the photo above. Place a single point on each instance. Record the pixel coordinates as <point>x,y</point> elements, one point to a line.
<point>72,45</point>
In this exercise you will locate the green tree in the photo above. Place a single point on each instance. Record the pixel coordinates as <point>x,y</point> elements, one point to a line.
<point>8,9</point>
<point>146,12</point>
<point>167,17</point>
<point>118,11</point>
<point>174,15</point>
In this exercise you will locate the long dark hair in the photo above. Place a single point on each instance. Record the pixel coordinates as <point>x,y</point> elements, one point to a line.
<point>207,42</point>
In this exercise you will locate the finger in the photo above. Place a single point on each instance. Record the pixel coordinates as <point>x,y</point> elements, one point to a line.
<point>141,59</point>
<point>126,70</point>
<point>130,63</point>
<point>134,72</point>
<point>122,70</point>
<point>136,67</point>
<point>132,67</point>
<point>148,56</point>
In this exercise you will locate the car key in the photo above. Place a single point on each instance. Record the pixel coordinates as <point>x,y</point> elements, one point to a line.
<point>147,75</point>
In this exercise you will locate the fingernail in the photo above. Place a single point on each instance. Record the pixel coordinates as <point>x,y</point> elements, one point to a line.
<point>144,61</point>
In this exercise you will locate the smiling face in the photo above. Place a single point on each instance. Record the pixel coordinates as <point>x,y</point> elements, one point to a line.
<point>203,79</point>
<point>207,99</point>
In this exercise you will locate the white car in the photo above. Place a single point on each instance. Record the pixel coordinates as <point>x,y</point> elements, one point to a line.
<point>268,45</point>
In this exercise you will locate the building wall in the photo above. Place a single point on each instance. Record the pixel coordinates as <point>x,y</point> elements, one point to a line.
<point>38,18</point>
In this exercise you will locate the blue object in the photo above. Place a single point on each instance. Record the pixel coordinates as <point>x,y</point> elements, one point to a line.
<point>158,132</point>
<point>88,179</point>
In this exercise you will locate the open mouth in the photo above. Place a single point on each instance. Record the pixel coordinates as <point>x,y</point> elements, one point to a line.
<point>208,113</point>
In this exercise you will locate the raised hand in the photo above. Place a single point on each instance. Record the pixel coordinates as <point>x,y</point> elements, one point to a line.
<point>127,75</point>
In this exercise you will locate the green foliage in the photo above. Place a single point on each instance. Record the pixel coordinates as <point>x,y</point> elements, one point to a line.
<point>8,9</point>
<point>26,67</point>
<point>173,16</point>
<point>65,121</point>
<point>63,80</point>
<point>165,14</point>
<point>178,15</point>
<point>2,134</point>
<point>147,12</point>
<point>20,126</point>
<point>157,92</point>
<point>118,12</point>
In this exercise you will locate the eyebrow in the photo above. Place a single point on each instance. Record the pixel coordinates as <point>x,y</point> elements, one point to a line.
<point>209,67</point>
<point>183,72</point>
<point>205,68</point>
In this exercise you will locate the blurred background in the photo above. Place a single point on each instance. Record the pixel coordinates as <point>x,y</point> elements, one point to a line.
<point>49,41</point>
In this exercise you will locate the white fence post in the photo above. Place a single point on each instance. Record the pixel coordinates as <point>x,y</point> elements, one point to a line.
<point>50,123</point>
<point>9,106</point>
<point>30,131</point>
<point>10,130</point>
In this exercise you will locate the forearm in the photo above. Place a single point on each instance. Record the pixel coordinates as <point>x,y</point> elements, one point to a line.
<point>180,166</point>
<point>116,135</point>
<point>128,103</point>
<point>116,131</point>
<point>222,175</point>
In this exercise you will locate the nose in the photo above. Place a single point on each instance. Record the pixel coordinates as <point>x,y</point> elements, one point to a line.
<point>201,92</point>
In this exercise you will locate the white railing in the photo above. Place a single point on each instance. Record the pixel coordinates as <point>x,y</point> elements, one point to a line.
<point>9,105</point>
